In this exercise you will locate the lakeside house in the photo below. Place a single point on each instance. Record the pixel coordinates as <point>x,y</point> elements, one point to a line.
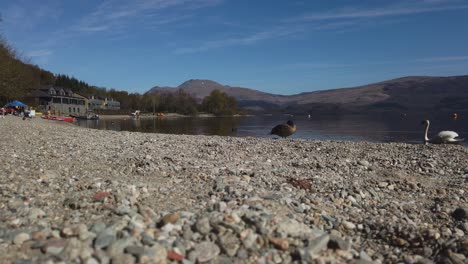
<point>59,101</point>
<point>97,103</point>
<point>63,101</point>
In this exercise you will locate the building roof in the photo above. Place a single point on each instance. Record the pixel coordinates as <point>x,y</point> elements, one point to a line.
<point>43,91</point>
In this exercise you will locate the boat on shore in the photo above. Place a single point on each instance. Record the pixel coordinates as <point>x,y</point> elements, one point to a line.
<point>86,117</point>
<point>59,118</point>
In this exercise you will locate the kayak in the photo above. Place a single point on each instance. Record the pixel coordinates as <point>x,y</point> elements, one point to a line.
<point>59,118</point>
<point>88,117</point>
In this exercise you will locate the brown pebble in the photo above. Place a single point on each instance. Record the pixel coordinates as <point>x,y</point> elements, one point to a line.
<point>279,243</point>
<point>38,235</point>
<point>100,196</point>
<point>170,218</point>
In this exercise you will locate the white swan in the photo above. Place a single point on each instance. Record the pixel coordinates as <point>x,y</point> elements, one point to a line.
<point>444,137</point>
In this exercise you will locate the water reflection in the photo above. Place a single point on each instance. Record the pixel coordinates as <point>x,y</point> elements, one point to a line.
<point>393,127</point>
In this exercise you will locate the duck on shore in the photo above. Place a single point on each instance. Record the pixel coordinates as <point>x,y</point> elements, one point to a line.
<point>284,130</point>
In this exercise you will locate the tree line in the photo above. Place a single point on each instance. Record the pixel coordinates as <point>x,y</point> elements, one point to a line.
<point>181,102</point>
<point>18,78</point>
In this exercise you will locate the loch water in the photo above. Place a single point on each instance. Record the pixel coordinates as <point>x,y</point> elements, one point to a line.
<point>385,127</point>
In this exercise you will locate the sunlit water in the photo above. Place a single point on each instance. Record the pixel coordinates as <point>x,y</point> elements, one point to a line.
<point>376,128</point>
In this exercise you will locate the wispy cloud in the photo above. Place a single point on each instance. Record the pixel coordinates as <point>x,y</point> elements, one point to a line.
<point>339,20</point>
<point>27,15</point>
<point>406,8</point>
<point>248,39</point>
<point>274,32</point>
<point>112,19</point>
<point>338,65</point>
<point>39,53</point>
<point>39,56</point>
<point>447,58</point>
<point>118,14</point>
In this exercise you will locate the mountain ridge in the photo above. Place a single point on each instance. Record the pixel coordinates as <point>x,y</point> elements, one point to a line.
<point>404,93</point>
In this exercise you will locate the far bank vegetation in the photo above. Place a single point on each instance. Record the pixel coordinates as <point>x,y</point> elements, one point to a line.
<point>217,103</point>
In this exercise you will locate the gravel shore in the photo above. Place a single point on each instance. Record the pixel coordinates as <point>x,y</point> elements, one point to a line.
<point>76,195</point>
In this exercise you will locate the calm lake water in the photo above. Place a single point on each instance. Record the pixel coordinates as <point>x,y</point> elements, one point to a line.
<point>376,128</point>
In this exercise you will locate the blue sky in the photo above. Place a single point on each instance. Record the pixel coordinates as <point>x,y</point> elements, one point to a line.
<point>283,47</point>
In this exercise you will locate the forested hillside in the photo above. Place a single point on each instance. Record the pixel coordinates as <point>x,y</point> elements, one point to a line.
<point>18,78</point>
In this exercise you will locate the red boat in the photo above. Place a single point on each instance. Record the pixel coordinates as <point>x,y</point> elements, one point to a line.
<point>59,118</point>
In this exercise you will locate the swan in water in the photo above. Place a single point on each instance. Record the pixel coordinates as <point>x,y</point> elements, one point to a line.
<point>284,130</point>
<point>444,137</point>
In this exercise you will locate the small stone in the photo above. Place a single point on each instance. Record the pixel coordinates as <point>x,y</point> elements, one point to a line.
<point>383,184</point>
<point>117,247</point>
<point>147,240</point>
<point>229,243</point>
<point>364,163</point>
<point>364,256</point>
<point>39,235</point>
<point>105,238</point>
<point>100,196</point>
<point>460,213</point>
<point>35,213</point>
<point>171,218</point>
<point>91,261</point>
<point>67,232</point>
<point>464,226</point>
<point>459,232</point>
<point>82,231</point>
<point>206,251</point>
<point>86,251</point>
<point>72,203</point>
<point>123,259</point>
<point>235,217</point>
<point>155,254</point>
<point>349,225</point>
<point>456,257</point>
<point>54,246</point>
<point>55,234</point>
<point>317,245</point>
<point>20,238</point>
<point>248,238</point>
<point>167,228</point>
<point>203,225</point>
<point>136,251</point>
<point>98,227</point>
<point>172,255</point>
<point>15,222</point>
<point>279,243</point>
<point>337,242</point>
<point>293,228</point>
<point>73,248</point>
<point>15,203</point>
<point>221,206</point>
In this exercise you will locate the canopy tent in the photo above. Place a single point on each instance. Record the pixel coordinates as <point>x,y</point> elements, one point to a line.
<point>15,103</point>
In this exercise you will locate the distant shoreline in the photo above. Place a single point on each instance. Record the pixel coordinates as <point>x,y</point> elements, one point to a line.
<point>168,115</point>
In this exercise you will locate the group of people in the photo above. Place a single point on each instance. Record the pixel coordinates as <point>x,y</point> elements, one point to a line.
<point>15,111</point>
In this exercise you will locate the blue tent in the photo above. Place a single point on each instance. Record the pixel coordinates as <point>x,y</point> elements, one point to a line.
<point>15,103</point>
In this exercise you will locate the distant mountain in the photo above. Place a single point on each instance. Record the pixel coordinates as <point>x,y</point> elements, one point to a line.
<point>407,93</point>
<point>201,88</point>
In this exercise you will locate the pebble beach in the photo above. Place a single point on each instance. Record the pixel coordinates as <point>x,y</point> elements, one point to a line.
<point>76,195</point>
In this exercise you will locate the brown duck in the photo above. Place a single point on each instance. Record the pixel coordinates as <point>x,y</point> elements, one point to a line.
<point>284,130</point>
